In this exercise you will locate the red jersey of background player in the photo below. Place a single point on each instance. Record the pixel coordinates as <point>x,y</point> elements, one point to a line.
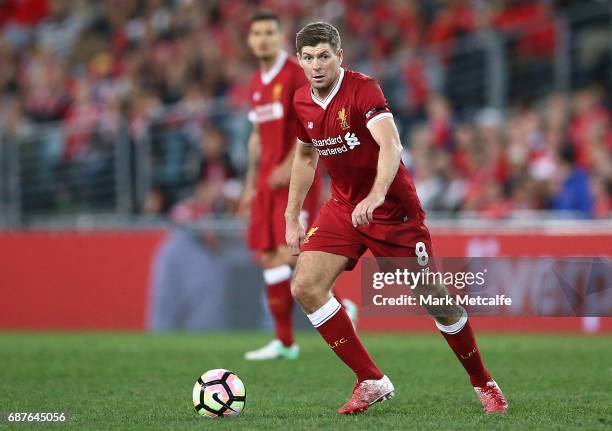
<point>271,101</point>
<point>338,128</point>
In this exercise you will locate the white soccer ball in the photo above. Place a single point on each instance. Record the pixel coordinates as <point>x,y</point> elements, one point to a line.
<point>219,393</point>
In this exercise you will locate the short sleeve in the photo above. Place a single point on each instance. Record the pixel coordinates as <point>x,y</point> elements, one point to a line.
<point>372,104</point>
<point>299,80</point>
<point>252,115</point>
<point>302,136</point>
<point>300,130</point>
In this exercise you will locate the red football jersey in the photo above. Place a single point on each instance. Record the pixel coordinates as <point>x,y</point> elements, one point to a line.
<point>272,110</point>
<point>338,128</point>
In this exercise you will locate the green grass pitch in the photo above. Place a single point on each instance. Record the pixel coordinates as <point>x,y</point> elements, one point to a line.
<point>133,381</point>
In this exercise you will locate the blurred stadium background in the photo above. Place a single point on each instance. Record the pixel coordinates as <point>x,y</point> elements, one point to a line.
<point>123,134</point>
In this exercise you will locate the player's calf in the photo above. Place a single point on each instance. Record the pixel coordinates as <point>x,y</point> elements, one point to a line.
<point>460,337</point>
<point>314,277</point>
<point>445,312</point>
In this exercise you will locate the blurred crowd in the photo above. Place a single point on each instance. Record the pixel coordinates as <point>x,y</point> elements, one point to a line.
<point>163,84</point>
<point>554,154</point>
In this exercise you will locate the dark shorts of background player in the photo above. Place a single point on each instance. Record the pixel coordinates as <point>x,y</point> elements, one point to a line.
<point>335,234</point>
<point>267,225</point>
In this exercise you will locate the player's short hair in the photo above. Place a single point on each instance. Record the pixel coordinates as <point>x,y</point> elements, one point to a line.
<point>265,15</point>
<point>316,33</point>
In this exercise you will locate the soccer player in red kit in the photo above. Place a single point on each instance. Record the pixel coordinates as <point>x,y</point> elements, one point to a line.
<point>343,118</point>
<point>271,148</point>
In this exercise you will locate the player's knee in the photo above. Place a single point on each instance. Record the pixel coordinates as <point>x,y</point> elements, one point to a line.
<point>298,288</point>
<point>267,259</point>
<point>435,290</point>
<point>274,258</point>
<point>303,289</point>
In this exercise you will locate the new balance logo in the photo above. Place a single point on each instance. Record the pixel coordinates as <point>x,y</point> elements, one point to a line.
<point>351,140</point>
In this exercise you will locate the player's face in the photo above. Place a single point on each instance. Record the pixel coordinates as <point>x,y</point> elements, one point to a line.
<point>321,64</point>
<point>265,39</point>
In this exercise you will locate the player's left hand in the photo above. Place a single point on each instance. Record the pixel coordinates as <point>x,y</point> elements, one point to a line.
<point>363,213</point>
<point>279,177</point>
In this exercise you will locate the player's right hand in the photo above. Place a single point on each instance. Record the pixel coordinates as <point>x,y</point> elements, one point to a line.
<point>294,235</point>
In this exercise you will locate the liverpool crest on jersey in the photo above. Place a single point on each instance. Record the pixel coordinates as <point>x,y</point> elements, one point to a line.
<point>277,91</point>
<point>342,117</point>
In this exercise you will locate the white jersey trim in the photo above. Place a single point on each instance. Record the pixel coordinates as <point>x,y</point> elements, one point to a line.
<point>306,144</point>
<point>325,102</point>
<point>267,77</point>
<point>377,118</point>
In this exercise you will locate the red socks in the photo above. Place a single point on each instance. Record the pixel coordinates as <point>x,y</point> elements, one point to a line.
<point>335,326</point>
<point>460,338</point>
<point>280,301</point>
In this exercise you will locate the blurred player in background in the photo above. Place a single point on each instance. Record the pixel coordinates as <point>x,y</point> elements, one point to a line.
<point>271,149</point>
<point>343,117</point>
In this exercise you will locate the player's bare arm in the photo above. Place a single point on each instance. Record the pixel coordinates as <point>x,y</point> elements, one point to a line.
<point>280,176</point>
<point>254,150</point>
<point>302,175</point>
<point>386,136</point>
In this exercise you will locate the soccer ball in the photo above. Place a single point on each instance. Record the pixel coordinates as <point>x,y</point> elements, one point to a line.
<point>219,393</point>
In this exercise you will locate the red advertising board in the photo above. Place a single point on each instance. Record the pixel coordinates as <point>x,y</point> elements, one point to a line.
<point>99,280</point>
<point>73,280</point>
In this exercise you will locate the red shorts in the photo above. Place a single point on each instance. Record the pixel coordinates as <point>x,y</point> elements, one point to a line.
<point>335,234</point>
<point>267,224</point>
